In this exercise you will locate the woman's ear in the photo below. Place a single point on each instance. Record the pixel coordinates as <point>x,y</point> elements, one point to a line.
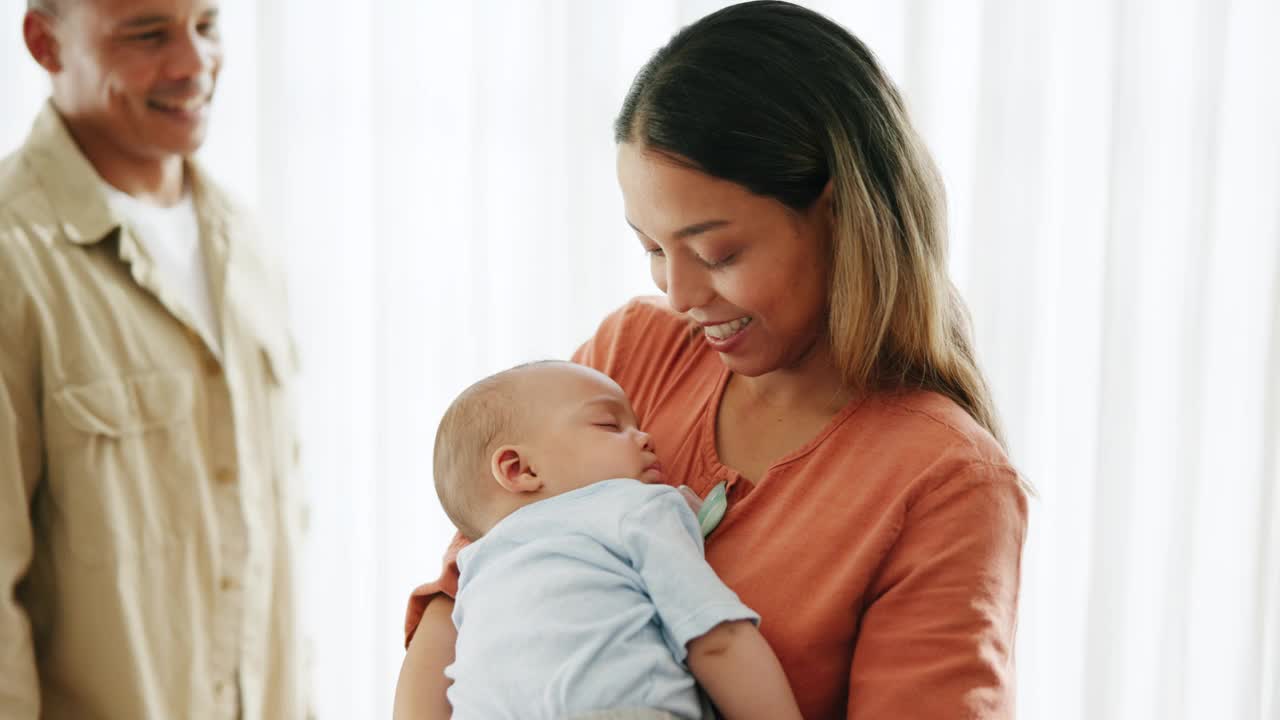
<point>821,214</point>
<point>827,197</point>
<point>511,469</point>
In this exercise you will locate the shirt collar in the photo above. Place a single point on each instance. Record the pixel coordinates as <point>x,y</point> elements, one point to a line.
<point>75,190</point>
<point>68,180</point>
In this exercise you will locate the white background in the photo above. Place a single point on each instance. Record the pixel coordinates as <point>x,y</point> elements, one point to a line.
<point>438,177</point>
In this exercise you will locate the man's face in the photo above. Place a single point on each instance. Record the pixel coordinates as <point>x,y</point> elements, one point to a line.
<point>139,73</point>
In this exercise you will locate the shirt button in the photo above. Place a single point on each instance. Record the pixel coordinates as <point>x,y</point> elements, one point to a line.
<point>227,583</point>
<point>225,476</point>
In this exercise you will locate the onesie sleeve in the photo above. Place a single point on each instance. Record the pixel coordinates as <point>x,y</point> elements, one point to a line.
<point>664,545</point>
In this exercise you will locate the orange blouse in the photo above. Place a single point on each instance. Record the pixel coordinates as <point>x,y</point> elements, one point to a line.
<point>883,556</point>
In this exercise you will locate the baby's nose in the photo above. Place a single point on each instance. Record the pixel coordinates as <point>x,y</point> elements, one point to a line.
<point>645,441</point>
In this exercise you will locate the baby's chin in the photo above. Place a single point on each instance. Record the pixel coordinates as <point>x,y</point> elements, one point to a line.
<point>652,475</point>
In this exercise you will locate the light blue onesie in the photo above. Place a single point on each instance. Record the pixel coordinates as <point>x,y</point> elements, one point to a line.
<point>585,601</point>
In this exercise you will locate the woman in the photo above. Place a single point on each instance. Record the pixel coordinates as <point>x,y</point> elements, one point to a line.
<point>812,356</point>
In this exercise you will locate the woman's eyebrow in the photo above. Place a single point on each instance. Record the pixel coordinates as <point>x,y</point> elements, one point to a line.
<point>691,230</point>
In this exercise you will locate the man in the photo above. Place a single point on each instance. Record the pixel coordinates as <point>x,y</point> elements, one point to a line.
<point>149,516</point>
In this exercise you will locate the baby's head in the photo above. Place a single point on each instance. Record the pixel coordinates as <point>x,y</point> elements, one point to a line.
<point>534,432</point>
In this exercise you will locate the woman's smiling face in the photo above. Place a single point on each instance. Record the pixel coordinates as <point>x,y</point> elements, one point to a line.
<point>748,269</point>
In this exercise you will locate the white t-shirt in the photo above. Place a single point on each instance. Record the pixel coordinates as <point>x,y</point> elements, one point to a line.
<point>171,237</point>
<point>582,602</point>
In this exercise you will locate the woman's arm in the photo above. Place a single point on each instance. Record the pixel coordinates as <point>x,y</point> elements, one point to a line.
<point>738,669</point>
<point>420,691</point>
<point>937,641</point>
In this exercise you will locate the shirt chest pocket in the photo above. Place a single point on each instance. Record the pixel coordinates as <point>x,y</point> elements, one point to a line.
<point>124,460</point>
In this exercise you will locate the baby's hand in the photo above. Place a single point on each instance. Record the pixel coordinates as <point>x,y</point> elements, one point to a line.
<point>710,511</point>
<point>695,502</point>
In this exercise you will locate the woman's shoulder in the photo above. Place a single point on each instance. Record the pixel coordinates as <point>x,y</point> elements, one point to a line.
<point>646,317</point>
<point>925,438</point>
<point>942,420</point>
<point>643,334</point>
<point>650,350</point>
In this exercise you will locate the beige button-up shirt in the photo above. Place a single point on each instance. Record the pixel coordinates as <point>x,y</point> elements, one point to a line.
<point>150,513</point>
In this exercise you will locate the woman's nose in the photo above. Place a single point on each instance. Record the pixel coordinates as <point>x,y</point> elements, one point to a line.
<point>686,288</point>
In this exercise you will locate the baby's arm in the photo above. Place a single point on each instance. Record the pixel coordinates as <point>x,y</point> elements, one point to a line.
<point>420,692</point>
<point>738,669</point>
<point>703,621</point>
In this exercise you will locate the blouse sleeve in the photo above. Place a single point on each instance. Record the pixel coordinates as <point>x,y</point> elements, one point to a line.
<point>936,637</point>
<point>604,350</point>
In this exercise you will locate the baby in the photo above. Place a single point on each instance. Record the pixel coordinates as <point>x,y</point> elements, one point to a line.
<point>584,589</point>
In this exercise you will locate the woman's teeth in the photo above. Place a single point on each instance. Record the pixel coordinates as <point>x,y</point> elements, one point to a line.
<point>724,330</point>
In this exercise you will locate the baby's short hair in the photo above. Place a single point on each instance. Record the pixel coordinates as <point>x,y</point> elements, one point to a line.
<point>480,419</point>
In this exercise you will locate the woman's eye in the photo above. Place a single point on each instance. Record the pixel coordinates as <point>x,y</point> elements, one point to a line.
<point>722,262</point>
<point>654,252</point>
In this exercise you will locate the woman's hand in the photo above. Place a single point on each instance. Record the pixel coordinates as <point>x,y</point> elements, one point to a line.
<point>420,691</point>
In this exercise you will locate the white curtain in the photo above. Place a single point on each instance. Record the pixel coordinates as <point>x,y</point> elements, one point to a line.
<point>438,177</point>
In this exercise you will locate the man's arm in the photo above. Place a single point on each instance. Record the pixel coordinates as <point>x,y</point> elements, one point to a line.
<point>20,467</point>
<point>420,691</point>
<point>738,669</point>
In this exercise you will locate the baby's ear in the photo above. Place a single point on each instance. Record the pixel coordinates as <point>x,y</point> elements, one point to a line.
<point>512,471</point>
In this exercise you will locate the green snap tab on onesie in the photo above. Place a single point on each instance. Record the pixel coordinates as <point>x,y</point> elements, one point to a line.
<point>712,510</point>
